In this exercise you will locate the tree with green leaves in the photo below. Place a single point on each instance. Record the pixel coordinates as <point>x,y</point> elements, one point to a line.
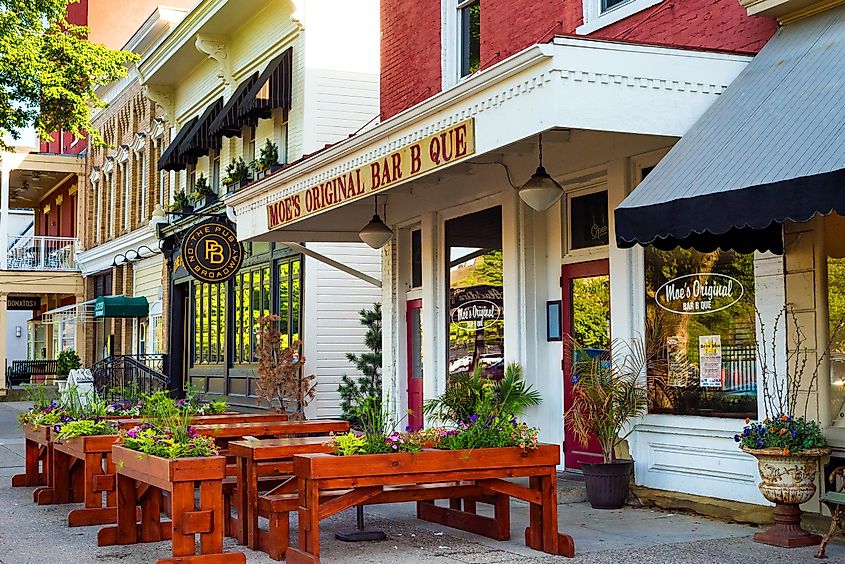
<point>49,70</point>
<point>355,391</point>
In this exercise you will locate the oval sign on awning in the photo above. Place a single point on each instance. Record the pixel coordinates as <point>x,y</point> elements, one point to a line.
<point>699,293</point>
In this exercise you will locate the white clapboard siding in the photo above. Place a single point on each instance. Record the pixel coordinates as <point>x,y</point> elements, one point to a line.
<point>333,299</point>
<point>343,103</point>
<point>147,278</point>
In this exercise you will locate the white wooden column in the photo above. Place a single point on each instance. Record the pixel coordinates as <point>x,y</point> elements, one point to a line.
<point>4,221</point>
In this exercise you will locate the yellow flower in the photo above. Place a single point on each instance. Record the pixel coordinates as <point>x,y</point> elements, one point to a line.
<point>783,431</point>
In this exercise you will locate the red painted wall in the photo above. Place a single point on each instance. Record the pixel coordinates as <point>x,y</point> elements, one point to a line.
<point>411,35</point>
<point>61,221</point>
<point>410,53</point>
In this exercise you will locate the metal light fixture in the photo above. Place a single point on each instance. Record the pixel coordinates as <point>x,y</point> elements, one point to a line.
<point>541,191</point>
<point>376,234</point>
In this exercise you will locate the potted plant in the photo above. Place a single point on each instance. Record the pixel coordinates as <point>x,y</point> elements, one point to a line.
<point>787,447</point>
<point>66,361</point>
<point>181,204</point>
<point>237,175</point>
<point>202,194</point>
<point>608,390</point>
<point>268,160</point>
<point>281,382</point>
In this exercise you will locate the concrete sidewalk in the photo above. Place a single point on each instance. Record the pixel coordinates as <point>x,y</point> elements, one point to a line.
<point>33,534</point>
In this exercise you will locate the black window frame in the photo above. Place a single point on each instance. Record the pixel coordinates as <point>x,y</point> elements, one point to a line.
<point>469,62</point>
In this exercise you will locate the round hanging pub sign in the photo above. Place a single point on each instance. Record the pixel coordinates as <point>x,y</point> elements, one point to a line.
<point>211,252</point>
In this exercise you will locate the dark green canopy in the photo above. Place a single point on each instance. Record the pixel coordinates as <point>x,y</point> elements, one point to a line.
<point>121,306</point>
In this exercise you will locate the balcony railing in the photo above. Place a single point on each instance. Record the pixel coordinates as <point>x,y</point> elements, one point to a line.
<point>30,252</point>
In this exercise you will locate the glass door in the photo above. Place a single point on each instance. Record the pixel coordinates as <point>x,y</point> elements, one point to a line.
<point>586,321</point>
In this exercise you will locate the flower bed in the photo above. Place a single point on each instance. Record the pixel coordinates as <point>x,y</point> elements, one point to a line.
<point>167,442</point>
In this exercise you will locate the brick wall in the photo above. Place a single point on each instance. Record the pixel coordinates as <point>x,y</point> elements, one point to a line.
<point>410,53</point>
<point>411,46</point>
<point>130,113</point>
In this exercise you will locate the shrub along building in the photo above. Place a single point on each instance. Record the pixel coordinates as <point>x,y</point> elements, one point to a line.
<point>503,149</point>
<point>246,88</point>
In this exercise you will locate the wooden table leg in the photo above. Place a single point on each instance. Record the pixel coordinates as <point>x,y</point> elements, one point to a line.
<point>110,472</point>
<point>308,550</point>
<point>151,515</point>
<point>553,541</point>
<point>95,482</point>
<point>182,502</point>
<point>30,475</point>
<point>533,534</point>
<point>61,477</point>
<point>250,496</point>
<point>211,499</point>
<point>127,515</point>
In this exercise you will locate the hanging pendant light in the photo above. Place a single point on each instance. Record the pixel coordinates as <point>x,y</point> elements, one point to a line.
<point>376,234</point>
<point>541,191</point>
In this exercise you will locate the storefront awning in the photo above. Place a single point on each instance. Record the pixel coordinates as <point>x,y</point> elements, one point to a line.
<point>81,313</point>
<point>770,149</point>
<point>170,159</point>
<point>199,142</point>
<point>121,306</point>
<point>272,90</point>
<point>228,123</point>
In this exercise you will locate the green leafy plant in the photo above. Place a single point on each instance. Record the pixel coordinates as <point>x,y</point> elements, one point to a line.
<point>349,444</point>
<point>784,432</point>
<point>175,441</point>
<point>236,171</point>
<point>66,361</point>
<point>368,385</point>
<point>269,156</point>
<point>50,71</point>
<point>465,396</point>
<point>608,390</point>
<point>86,428</point>
<point>180,202</point>
<point>201,189</point>
<point>492,432</point>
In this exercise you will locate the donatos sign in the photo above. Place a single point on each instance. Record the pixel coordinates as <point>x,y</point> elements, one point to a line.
<point>211,252</point>
<point>432,152</point>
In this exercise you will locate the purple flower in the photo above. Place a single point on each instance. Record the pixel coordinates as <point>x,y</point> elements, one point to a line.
<point>736,438</point>
<point>760,443</point>
<point>574,379</point>
<point>794,434</point>
<point>746,431</point>
<point>473,419</point>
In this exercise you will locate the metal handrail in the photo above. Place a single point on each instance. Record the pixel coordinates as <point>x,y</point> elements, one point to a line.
<point>42,252</point>
<point>121,376</point>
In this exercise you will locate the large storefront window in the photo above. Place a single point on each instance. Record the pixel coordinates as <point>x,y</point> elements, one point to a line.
<point>476,307</point>
<point>252,301</point>
<point>836,318</point>
<point>700,318</point>
<point>290,300</point>
<point>209,323</point>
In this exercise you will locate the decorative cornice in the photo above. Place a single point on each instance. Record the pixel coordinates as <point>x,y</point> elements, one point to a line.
<point>809,11</point>
<point>101,257</point>
<point>138,142</point>
<point>158,128</point>
<point>163,96</point>
<point>94,177</point>
<point>216,47</point>
<point>122,154</point>
<point>296,15</point>
<point>108,168</point>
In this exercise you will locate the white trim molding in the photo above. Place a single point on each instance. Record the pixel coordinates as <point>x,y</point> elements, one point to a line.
<point>595,19</point>
<point>138,142</point>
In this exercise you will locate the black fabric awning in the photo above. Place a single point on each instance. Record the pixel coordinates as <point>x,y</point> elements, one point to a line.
<point>771,149</point>
<point>171,158</point>
<point>228,123</point>
<point>199,142</point>
<point>272,90</point>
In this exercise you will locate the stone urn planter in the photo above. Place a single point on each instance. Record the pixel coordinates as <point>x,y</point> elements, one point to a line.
<point>788,480</point>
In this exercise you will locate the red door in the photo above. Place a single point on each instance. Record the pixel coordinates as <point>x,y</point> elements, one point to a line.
<point>415,366</point>
<point>586,318</point>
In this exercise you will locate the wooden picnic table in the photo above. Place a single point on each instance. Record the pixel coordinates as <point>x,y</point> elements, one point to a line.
<point>263,458</point>
<point>329,484</point>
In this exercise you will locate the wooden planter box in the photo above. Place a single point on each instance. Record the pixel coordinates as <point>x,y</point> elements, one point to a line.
<point>482,475</point>
<point>39,460</point>
<point>140,480</point>
<point>93,455</point>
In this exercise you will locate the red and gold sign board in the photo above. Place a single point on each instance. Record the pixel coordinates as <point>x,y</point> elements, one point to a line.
<point>211,252</point>
<point>435,151</point>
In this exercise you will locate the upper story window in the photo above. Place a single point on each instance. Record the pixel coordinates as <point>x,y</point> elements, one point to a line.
<point>143,195</point>
<point>127,194</point>
<point>469,21</point>
<point>601,13</point>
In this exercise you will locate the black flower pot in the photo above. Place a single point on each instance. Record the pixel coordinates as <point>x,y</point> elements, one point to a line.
<point>607,484</point>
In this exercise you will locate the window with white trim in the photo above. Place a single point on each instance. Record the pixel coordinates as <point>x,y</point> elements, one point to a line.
<point>601,13</point>
<point>142,213</point>
<point>127,194</point>
<point>111,205</point>
<point>95,187</point>
<point>469,36</point>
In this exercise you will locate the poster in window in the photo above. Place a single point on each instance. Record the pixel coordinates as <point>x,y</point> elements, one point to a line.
<point>710,361</point>
<point>677,362</point>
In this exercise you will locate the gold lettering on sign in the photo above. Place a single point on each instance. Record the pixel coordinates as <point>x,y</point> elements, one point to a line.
<point>213,252</point>
<point>435,151</point>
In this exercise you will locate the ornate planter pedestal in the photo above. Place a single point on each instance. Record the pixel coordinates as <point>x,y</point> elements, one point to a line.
<point>788,481</point>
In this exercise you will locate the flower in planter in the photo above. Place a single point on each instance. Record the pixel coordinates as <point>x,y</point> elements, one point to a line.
<point>180,202</point>
<point>268,157</point>
<point>236,171</point>
<point>202,190</point>
<point>84,428</point>
<point>784,432</point>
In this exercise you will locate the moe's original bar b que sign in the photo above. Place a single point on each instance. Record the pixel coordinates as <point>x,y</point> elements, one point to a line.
<point>432,152</point>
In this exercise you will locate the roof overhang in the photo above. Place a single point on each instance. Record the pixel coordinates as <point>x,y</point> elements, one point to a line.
<point>573,83</point>
<point>176,56</point>
<point>770,150</point>
<point>139,244</point>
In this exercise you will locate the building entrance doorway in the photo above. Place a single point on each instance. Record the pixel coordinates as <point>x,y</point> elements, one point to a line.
<point>586,320</point>
<point>415,365</point>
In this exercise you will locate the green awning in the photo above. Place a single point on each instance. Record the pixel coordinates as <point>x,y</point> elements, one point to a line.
<point>121,306</point>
